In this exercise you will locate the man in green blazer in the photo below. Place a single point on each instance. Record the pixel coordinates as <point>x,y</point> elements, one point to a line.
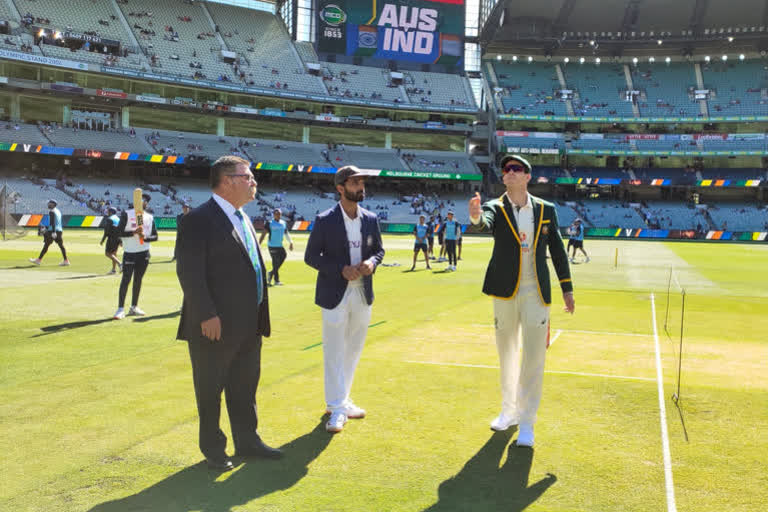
<point>523,227</point>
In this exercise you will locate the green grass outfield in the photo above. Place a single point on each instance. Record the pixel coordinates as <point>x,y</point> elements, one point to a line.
<point>100,415</point>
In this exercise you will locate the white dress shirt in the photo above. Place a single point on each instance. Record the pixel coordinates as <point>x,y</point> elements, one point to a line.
<point>229,210</point>
<point>354,229</point>
<point>525,225</point>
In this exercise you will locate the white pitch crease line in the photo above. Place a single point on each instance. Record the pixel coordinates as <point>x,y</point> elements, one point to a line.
<point>599,333</point>
<point>554,338</point>
<point>671,507</point>
<point>580,374</point>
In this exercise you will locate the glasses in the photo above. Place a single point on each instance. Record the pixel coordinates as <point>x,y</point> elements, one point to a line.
<point>248,176</point>
<point>515,168</point>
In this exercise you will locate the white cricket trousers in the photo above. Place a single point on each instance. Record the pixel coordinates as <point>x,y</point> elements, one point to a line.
<point>522,327</point>
<point>344,331</point>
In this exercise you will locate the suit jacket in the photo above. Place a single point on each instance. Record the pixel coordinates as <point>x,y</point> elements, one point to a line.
<point>217,277</point>
<point>328,252</point>
<point>502,279</point>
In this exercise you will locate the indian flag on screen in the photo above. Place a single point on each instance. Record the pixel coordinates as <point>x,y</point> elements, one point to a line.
<point>367,40</point>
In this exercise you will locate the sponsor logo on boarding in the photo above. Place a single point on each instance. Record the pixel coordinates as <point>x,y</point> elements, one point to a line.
<point>333,15</point>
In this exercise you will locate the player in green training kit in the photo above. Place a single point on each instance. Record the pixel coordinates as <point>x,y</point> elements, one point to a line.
<point>421,232</point>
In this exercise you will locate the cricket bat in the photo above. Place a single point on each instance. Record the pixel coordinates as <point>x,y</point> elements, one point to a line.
<point>138,206</point>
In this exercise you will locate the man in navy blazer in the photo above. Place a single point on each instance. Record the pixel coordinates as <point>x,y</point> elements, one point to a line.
<point>345,248</point>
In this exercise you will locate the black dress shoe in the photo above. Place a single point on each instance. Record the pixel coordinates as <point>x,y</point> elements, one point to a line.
<point>220,464</point>
<point>259,450</point>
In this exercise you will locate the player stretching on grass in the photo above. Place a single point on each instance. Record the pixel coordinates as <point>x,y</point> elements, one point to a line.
<point>420,244</point>
<point>523,228</point>
<point>135,256</point>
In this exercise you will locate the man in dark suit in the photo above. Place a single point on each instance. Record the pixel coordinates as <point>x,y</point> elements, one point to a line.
<point>345,248</point>
<point>225,311</point>
<point>184,210</point>
<point>523,228</point>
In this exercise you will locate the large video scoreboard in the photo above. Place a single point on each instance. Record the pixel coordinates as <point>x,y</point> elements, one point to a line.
<point>417,31</point>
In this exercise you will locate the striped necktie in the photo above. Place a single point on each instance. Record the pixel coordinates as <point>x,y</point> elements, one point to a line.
<point>250,244</point>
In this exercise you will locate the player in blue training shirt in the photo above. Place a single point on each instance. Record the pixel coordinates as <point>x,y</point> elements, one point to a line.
<point>421,232</point>
<point>576,232</point>
<point>450,229</point>
<point>277,229</point>
<point>53,233</point>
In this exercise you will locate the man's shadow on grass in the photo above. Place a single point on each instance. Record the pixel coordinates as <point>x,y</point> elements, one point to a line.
<point>53,329</point>
<point>483,485</point>
<point>196,488</point>
<point>164,316</point>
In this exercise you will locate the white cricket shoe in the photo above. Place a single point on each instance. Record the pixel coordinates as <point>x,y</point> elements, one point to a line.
<point>525,437</point>
<point>587,260</point>
<point>119,314</point>
<point>64,263</point>
<point>136,311</point>
<point>352,411</point>
<point>503,422</point>
<point>35,261</point>
<point>336,422</point>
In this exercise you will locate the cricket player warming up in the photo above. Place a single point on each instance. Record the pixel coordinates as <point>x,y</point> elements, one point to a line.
<point>523,227</point>
<point>136,241</point>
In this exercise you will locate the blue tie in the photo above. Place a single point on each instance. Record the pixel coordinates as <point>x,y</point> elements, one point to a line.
<point>250,244</point>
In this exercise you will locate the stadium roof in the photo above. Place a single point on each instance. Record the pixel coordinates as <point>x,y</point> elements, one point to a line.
<point>564,25</point>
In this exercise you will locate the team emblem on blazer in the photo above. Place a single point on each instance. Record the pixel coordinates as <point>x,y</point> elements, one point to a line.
<point>369,240</point>
<point>544,230</point>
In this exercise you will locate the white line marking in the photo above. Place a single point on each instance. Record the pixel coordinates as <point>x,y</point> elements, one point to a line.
<point>610,333</point>
<point>598,333</point>
<point>671,507</point>
<point>554,338</point>
<point>604,375</point>
<point>581,374</point>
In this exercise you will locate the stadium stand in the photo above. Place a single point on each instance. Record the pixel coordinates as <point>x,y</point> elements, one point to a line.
<point>178,38</point>
<point>529,88</point>
<point>662,215</point>
<point>190,144</point>
<point>738,216</point>
<point>606,213</point>
<point>736,88</point>
<point>265,47</point>
<point>81,16</point>
<point>365,158</point>
<point>102,140</point>
<point>440,161</point>
<point>666,89</point>
<point>23,133</point>
<point>437,88</point>
<point>33,197</point>
<point>361,82</point>
<point>598,90</point>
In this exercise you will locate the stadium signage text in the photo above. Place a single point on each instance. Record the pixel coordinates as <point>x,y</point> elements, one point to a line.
<point>38,59</point>
<point>398,36</point>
